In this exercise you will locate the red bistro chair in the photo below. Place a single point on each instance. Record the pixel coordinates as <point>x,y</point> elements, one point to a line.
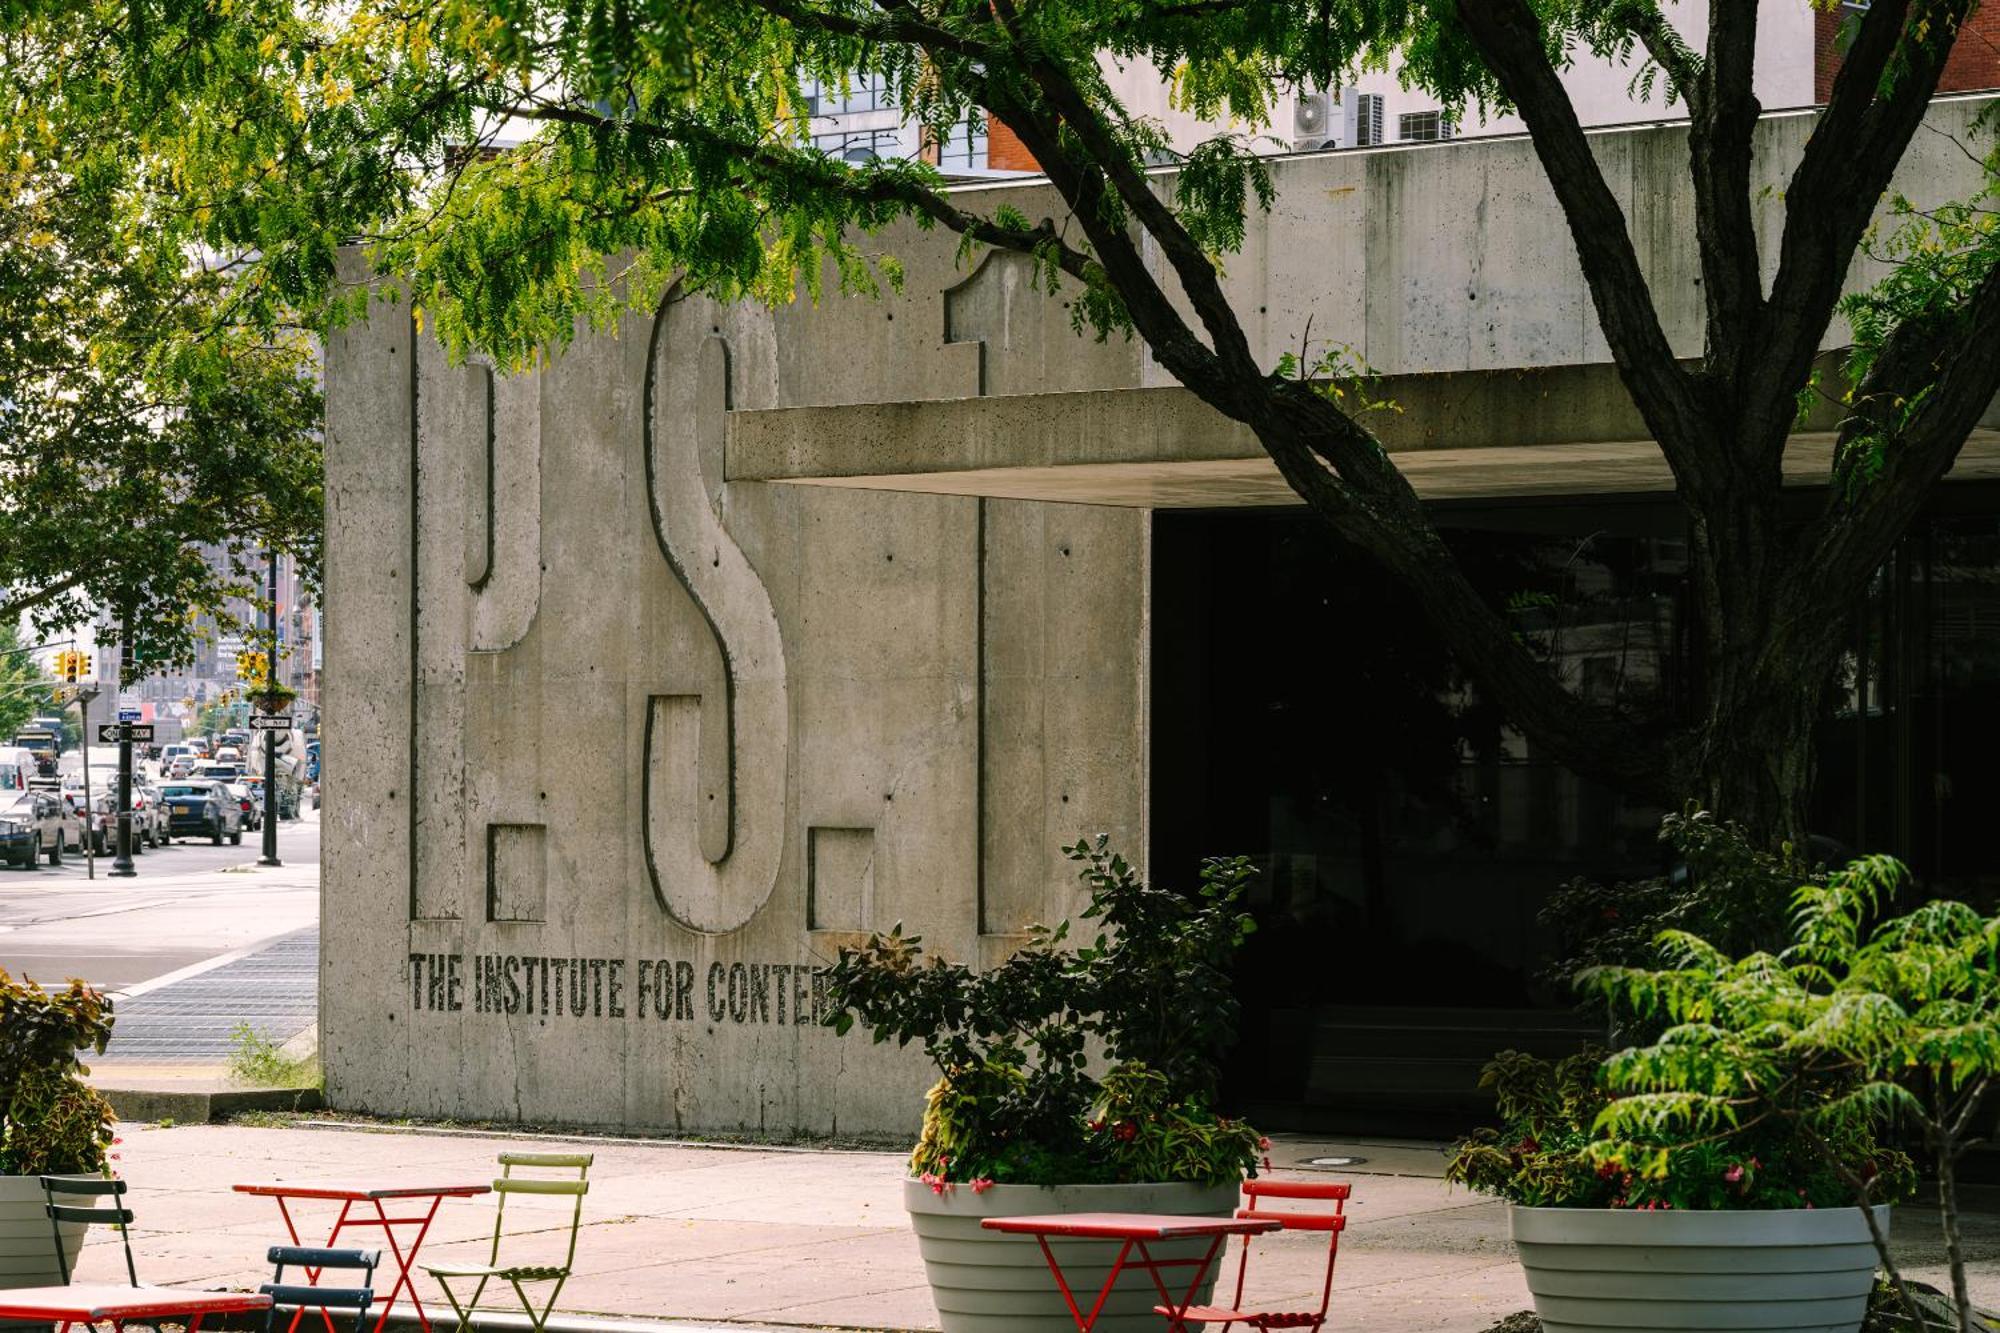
<point>1254,1193</point>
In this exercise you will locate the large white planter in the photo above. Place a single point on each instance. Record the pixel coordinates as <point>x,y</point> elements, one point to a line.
<point>989,1282</point>
<point>1604,1270</point>
<point>27,1243</point>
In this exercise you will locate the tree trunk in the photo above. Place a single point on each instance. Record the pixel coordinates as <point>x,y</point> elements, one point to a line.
<point>1954,1249</point>
<point>1751,761</point>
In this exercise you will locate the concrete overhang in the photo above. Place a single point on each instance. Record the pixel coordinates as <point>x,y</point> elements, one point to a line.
<point>1565,430</point>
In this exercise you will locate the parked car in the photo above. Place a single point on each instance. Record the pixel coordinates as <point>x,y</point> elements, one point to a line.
<point>34,824</point>
<point>101,824</point>
<point>146,806</point>
<point>246,802</point>
<point>288,796</point>
<point>201,808</point>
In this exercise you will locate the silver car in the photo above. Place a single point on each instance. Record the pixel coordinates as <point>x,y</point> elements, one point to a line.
<point>36,823</point>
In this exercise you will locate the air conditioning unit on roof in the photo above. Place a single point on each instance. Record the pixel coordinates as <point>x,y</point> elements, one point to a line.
<point>1312,118</point>
<point>1361,120</point>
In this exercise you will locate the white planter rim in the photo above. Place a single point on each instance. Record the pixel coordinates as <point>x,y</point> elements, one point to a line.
<point>1692,1226</point>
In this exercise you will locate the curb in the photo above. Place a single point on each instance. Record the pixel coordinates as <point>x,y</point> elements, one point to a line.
<point>153,1105</point>
<point>499,1321</point>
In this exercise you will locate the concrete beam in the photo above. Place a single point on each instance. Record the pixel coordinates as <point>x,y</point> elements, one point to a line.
<point>1473,409</point>
<point>1563,430</point>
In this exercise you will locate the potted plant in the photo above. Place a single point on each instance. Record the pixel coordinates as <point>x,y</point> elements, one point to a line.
<point>1735,1162</point>
<point>1021,1120</point>
<point>274,697</point>
<point>1863,1020</point>
<point>51,1121</point>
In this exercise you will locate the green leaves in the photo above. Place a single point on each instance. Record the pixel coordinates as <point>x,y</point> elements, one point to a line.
<point>53,1121</point>
<point>1152,988</point>
<point>145,416</point>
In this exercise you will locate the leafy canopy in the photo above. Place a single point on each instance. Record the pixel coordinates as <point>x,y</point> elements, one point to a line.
<point>151,443</point>
<point>643,143</point>
<point>673,134</point>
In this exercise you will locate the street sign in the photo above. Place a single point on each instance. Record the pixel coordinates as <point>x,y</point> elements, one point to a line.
<point>130,714</point>
<point>271,722</point>
<point>111,733</point>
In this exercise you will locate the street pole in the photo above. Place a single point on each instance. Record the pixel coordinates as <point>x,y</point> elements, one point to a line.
<point>121,864</point>
<point>270,856</point>
<point>84,694</point>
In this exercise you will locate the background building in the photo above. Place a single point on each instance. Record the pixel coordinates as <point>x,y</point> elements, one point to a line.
<point>663,672</point>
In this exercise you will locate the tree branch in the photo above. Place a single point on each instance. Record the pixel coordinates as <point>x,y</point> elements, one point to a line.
<point>1650,28</point>
<point>1878,100</point>
<point>1328,458</point>
<point>1724,113</point>
<point>1933,380</point>
<point>1510,39</point>
<point>1191,265</point>
<point>872,187</point>
<point>13,608</point>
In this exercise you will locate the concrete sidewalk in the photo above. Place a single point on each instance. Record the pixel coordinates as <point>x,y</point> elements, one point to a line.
<point>772,1237</point>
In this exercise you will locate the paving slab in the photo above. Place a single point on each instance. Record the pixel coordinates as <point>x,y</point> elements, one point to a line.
<point>272,990</point>
<point>783,1239</point>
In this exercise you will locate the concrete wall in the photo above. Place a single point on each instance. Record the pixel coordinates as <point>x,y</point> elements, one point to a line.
<point>592,702</point>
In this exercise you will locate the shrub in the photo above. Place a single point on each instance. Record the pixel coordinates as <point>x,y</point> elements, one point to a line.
<point>1565,1142</point>
<point>54,1122</point>
<point>1860,1022</point>
<point>1724,887</point>
<point>1017,1101</point>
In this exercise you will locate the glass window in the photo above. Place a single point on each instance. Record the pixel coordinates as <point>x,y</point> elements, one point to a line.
<point>859,92</point>
<point>860,145</point>
<point>965,149</point>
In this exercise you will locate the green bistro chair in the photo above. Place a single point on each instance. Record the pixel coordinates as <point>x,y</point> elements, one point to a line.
<point>518,1276</point>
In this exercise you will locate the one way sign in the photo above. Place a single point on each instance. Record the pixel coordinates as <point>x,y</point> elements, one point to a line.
<point>111,733</point>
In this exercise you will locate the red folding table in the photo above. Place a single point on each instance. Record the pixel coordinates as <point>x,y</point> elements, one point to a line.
<point>103,1303</point>
<point>1134,1231</point>
<point>378,1198</point>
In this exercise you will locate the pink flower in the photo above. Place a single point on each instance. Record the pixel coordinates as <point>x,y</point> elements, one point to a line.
<point>1264,1143</point>
<point>981,1185</point>
<point>1734,1173</point>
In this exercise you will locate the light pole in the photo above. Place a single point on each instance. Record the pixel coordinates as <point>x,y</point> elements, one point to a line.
<point>121,864</point>
<point>84,695</point>
<point>271,807</point>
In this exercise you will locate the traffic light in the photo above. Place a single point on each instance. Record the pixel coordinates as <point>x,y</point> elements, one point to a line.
<point>252,665</point>
<point>72,666</point>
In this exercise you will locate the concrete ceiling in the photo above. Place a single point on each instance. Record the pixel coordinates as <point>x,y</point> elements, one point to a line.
<point>1614,468</point>
<point>1473,435</point>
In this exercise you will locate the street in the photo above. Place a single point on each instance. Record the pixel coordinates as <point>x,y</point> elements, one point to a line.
<point>189,902</point>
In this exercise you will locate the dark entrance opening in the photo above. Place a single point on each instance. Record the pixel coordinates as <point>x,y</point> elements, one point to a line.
<point>1304,714</point>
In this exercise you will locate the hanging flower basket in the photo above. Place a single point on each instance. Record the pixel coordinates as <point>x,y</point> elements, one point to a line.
<point>274,698</point>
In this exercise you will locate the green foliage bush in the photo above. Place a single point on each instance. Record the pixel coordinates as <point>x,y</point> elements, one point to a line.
<point>54,1122</point>
<point>1861,1021</point>
<point>1553,1150</point>
<point>1727,888</point>
<point>1017,1101</point>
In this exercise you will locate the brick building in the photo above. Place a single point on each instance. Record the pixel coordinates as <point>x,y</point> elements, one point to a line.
<point>1974,65</point>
